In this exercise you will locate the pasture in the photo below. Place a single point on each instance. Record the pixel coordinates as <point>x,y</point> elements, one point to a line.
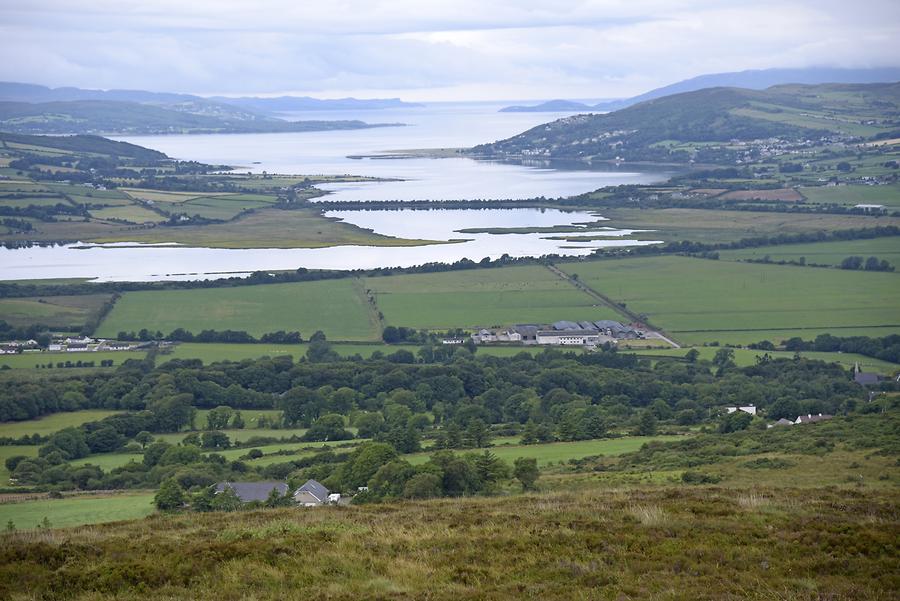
<point>49,424</point>
<point>32,360</point>
<point>482,298</point>
<point>213,352</point>
<point>7,451</point>
<point>823,253</point>
<point>130,213</point>
<point>555,452</point>
<point>699,300</point>
<point>852,195</point>
<point>77,510</point>
<point>712,226</point>
<point>53,311</point>
<point>336,307</point>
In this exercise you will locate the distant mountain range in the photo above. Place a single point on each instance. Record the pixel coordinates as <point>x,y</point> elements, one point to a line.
<point>751,80</point>
<point>34,109</point>
<point>678,128</point>
<point>26,92</point>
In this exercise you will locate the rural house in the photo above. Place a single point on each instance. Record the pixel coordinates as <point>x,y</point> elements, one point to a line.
<point>751,409</point>
<point>248,492</point>
<point>312,493</point>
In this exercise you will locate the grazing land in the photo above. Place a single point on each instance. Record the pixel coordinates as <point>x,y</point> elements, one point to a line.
<point>852,195</point>
<point>30,361</point>
<point>78,510</point>
<point>823,253</point>
<point>714,226</point>
<point>699,300</point>
<point>336,307</point>
<point>51,423</point>
<point>271,228</point>
<point>481,298</point>
<point>560,452</point>
<point>52,311</point>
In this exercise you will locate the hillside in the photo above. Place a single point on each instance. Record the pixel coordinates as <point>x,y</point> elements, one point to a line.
<point>84,144</point>
<point>548,107</point>
<point>644,132</point>
<point>108,116</point>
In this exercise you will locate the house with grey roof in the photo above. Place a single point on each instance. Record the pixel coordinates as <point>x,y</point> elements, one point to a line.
<point>248,492</point>
<point>781,422</point>
<point>312,493</point>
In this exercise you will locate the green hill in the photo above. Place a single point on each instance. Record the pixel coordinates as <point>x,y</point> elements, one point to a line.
<point>107,116</point>
<point>713,116</point>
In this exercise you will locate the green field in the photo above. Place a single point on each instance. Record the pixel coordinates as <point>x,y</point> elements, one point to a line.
<point>852,195</point>
<point>482,298</point>
<point>53,311</point>
<point>555,452</point>
<point>51,423</point>
<point>76,511</point>
<point>7,451</point>
<point>714,226</point>
<point>823,253</point>
<point>30,360</point>
<point>337,307</point>
<point>698,300</point>
<point>131,213</point>
<point>745,357</point>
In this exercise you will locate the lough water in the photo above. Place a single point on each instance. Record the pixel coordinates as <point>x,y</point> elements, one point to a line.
<point>327,153</point>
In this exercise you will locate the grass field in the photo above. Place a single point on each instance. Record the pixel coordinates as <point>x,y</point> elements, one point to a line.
<point>51,423</point>
<point>713,226</point>
<point>555,452</point>
<point>75,511</point>
<point>7,451</point>
<point>336,307</point>
<point>745,357</point>
<point>131,213</point>
<point>30,360</point>
<point>210,353</point>
<point>53,311</point>
<point>698,300</point>
<point>823,253</point>
<point>852,195</point>
<point>270,228</point>
<point>481,298</point>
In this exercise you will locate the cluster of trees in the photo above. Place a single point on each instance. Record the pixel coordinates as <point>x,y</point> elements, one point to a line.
<point>886,348</point>
<point>870,264</point>
<point>460,402</point>
<point>230,336</point>
<point>400,334</point>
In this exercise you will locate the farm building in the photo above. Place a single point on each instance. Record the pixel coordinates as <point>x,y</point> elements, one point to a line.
<point>573,337</point>
<point>248,492</point>
<point>781,422</point>
<point>312,493</point>
<point>566,333</point>
<point>871,208</point>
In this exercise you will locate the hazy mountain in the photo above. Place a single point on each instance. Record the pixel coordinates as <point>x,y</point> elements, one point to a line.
<point>751,80</point>
<point>107,116</point>
<point>648,131</point>
<point>284,104</point>
<point>551,106</point>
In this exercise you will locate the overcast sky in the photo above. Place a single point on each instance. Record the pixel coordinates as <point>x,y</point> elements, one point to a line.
<point>431,49</point>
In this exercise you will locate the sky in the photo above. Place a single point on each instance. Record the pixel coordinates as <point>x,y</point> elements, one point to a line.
<point>431,50</point>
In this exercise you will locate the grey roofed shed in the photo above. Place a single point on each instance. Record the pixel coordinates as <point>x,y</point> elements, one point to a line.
<point>566,325</point>
<point>587,325</point>
<point>253,491</point>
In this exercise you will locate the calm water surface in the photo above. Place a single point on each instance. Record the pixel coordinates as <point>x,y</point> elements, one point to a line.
<point>433,126</point>
<point>161,262</point>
